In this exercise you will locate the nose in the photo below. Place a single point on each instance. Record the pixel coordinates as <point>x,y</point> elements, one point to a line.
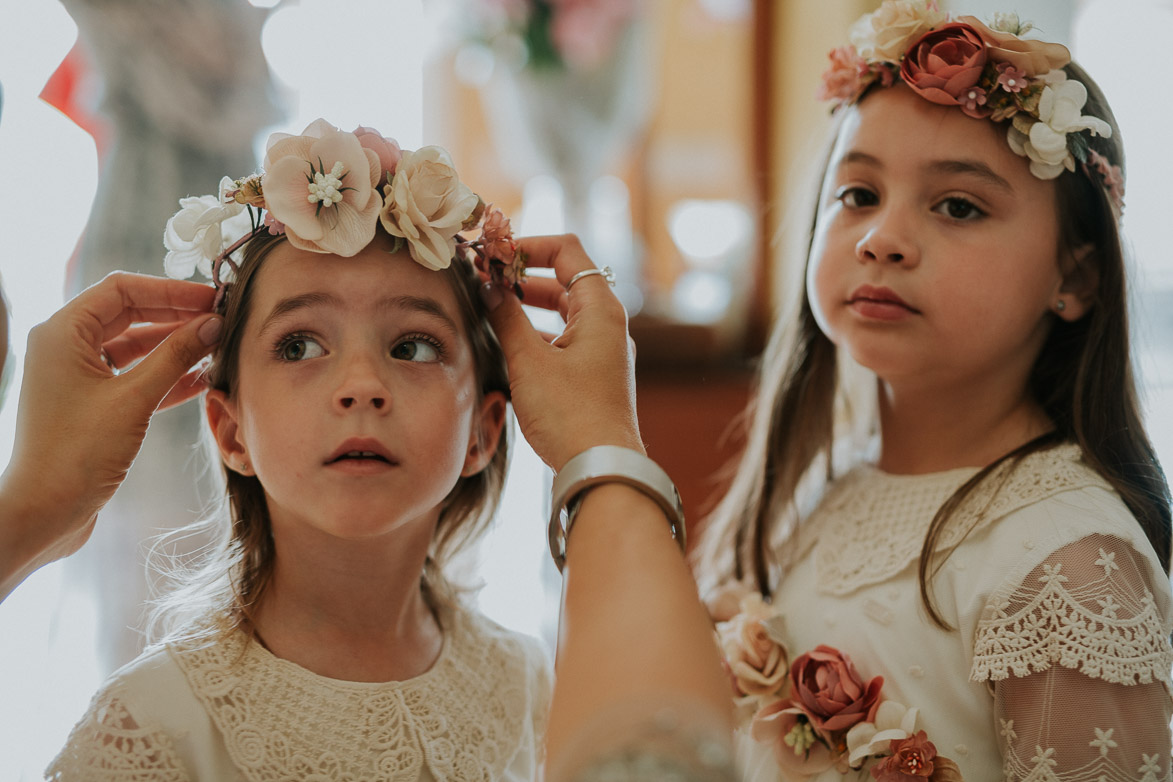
<point>890,239</point>
<point>362,387</point>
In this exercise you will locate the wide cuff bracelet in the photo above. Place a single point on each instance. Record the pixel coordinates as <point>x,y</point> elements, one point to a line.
<point>609,464</point>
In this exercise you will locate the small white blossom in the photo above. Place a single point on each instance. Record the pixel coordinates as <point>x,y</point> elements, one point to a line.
<point>203,228</point>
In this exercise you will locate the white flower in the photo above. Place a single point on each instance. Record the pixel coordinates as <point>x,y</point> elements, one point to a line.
<point>426,203</point>
<point>203,228</point>
<point>1009,23</point>
<point>1045,141</point>
<point>894,722</point>
<point>886,34</point>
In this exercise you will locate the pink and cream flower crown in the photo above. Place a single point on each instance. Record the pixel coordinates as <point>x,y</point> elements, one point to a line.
<point>986,71</point>
<point>328,191</point>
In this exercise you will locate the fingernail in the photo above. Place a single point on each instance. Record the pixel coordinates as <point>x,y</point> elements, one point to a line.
<point>492,296</point>
<point>209,333</point>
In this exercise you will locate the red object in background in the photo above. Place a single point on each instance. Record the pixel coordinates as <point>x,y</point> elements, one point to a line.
<point>73,89</point>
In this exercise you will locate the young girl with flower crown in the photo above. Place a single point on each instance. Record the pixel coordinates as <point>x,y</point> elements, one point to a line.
<point>357,403</point>
<point>946,550</point>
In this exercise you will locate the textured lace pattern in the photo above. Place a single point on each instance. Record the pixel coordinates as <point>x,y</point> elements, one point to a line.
<point>461,718</point>
<point>126,752</point>
<point>1102,620</point>
<point>477,714</point>
<point>872,535</point>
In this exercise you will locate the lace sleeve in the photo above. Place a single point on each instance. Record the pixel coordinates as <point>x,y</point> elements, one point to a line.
<point>108,745</point>
<point>1079,656</point>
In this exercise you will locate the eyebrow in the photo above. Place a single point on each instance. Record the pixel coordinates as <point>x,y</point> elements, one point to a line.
<point>405,302</point>
<point>974,168</point>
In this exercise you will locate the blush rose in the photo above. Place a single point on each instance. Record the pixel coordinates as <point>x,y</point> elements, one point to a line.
<point>945,64</point>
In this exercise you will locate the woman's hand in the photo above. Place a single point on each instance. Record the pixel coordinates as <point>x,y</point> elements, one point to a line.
<point>576,391</point>
<point>80,423</point>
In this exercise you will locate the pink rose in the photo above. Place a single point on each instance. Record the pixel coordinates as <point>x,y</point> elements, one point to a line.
<point>1034,58</point>
<point>386,148</point>
<point>945,63</point>
<point>799,751</point>
<point>826,686</point>
<point>843,80</point>
<point>757,660</point>
<point>911,758</point>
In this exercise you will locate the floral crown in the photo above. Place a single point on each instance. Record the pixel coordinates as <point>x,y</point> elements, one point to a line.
<point>989,72</point>
<point>327,191</point>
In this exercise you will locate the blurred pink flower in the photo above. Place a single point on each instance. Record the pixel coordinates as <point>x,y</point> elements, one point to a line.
<point>386,148</point>
<point>798,749</point>
<point>321,186</point>
<point>843,80</point>
<point>945,63</point>
<point>585,31</point>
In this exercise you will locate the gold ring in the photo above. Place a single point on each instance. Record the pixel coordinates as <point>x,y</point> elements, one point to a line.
<point>605,272</point>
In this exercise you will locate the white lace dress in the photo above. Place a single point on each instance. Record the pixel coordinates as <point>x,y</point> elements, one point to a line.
<point>233,711</point>
<point>1059,666</point>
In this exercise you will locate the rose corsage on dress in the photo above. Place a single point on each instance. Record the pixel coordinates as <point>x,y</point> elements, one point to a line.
<point>988,72</point>
<point>815,711</point>
<point>328,191</point>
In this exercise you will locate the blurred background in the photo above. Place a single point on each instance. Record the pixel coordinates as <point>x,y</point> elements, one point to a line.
<point>678,138</point>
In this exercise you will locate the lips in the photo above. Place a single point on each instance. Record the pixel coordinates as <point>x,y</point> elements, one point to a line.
<point>872,297</point>
<point>361,449</point>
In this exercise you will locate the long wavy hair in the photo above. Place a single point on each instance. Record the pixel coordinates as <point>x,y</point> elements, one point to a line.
<point>1083,379</point>
<point>218,589</point>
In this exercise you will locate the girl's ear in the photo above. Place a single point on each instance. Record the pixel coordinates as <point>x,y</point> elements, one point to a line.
<point>487,425</point>
<point>222,418</point>
<point>1081,278</point>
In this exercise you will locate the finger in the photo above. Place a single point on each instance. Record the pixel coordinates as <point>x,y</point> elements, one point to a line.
<point>564,254</point>
<point>136,342</point>
<point>163,367</point>
<point>190,385</point>
<point>513,329</point>
<point>546,293</point>
<point>108,307</point>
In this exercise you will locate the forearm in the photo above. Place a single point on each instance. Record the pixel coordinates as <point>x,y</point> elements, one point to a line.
<point>631,619</point>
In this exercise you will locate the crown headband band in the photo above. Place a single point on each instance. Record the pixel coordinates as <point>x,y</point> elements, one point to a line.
<point>989,72</point>
<point>329,191</point>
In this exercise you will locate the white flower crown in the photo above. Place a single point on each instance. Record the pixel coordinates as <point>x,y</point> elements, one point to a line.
<point>328,191</point>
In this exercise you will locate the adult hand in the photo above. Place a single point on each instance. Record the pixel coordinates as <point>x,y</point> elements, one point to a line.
<point>576,391</point>
<point>81,422</point>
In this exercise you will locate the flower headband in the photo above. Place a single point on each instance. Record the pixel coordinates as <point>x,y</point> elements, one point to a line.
<point>987,71</point>
<point>327,191</point>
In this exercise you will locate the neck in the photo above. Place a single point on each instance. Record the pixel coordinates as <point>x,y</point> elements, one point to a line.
<point>350,610</point>
<point>927,430</point>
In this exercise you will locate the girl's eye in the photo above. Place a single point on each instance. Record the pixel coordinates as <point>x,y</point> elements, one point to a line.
<point>298,347</point>
<point>856,197</point>
<point>416,349</point>
<point>958,208</point>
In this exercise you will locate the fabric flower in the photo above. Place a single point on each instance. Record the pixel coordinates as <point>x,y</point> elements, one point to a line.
<point>247,191</point>
<point>386,148</point>
<point>753,648</point>
<point>203,228</point>
<point>885,34</point>
<point>1045,141</point>
<point>945,64</point>
<point>798,749</point>
<point>321,186</point>
<point>1113,179</point>
<point>843,81</point>
<point>1010,78</point>
<point>1034,58</point>
<point>893,722</point>
<point>826,686</point>
<point>427,204</point>
<point>911,758</point>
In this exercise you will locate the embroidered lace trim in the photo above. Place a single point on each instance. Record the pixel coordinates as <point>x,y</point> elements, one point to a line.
<point>1087,607</point>
<point>875,522</point>
<point>107,745</point>
<point>463,718</point>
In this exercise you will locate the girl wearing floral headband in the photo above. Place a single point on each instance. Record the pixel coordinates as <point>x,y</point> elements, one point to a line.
<point>946,551</point>
<point>357,403</point>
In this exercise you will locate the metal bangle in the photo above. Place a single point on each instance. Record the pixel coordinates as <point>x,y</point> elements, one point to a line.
<point>609,464</point>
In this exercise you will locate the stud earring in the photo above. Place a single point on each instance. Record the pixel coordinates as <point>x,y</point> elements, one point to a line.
<point>1060,305</point>
<point>243,468</point>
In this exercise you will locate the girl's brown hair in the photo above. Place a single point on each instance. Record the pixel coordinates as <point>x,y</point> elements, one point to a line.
<point>233,573</point>
<point>1083,379</point>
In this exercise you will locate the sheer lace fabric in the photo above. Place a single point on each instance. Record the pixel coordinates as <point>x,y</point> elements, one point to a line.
<point>1059,660</point>
<point>477,714</point>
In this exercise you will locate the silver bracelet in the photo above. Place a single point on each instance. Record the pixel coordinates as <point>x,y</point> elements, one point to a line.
<point>610,464</point>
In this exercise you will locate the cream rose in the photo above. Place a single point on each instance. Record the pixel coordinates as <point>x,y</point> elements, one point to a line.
<point>751,642</point>
<point>888,32</point>
<point>427,204</point>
